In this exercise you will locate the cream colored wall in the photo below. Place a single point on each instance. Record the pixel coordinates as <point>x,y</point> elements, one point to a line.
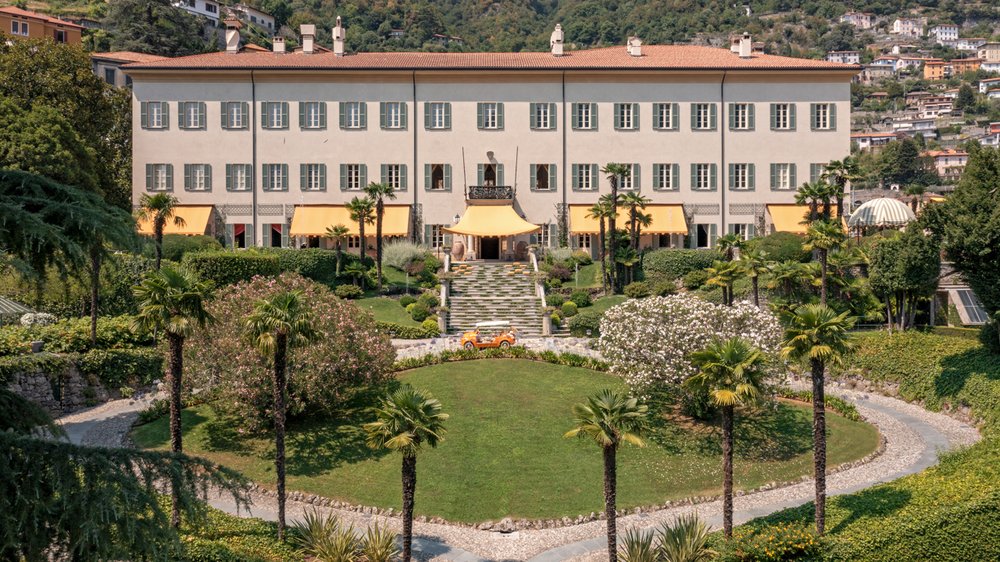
<point>517,143</point>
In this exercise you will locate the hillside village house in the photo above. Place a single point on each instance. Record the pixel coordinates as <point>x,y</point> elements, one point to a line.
<point>945,33</point>
<point>209,9</point>
<point>969,43</point>
<point>988,84</point>
<point>860,20</point>
<point>875,73</point>
<point>22,24</point>
<point>499,148</point>
<point>845,57</point>
<point>872,141</point>
<point>949,164</point>
<point>989,52</point>
<point>107,66</point>
<point>911,27</point>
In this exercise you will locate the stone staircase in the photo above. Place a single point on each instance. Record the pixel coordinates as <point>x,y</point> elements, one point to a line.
<point>485,291</point>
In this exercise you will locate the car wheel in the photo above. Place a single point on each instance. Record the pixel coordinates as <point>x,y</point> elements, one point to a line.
<point>469,345</point>
<point>504,345</point>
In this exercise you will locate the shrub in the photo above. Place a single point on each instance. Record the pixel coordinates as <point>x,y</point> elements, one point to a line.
<point>400,254</point>
<point>676,263</point>
<point>554,299</point>
<point>569,309</point>
<point>116,368</point>
<point>637,290</point>
<point>418,311</point>
<point>663,288</point>
<point>556,318</point>
<point>228,267</point>
<point>582,257</point>
<point>73,336</point>
<point>584,322</point>
<point>350,354</point>
<point>406,300</point>
<point>431,325</point>
<point>429,299</point>
<point>227,538</point>
<point>403,332</point>
<point>156,410</point>
<point>581,298</point>
<point>312,263</point>
<point>694,280</point>
<point>782,246</point>
<point>989,335</point>
<point>776,543</point>
<point>560,255</point>
<point>560,272</point>
<point>554,283</point>
<point>37,319</point>
<point>348,291</point>
<point>175,246</point>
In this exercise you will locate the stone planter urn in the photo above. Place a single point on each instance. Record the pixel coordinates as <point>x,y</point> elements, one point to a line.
<point>458,250</point>
<point>36,346</point>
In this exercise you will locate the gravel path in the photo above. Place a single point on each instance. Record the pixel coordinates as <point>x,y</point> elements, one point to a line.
<point>914,437</point>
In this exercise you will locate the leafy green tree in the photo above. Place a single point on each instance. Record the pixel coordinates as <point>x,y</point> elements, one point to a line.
<point>338,233</point>
<point>155,27</point>
<point>823,236</point>
<point>405,421</point>
<point>158,209</point>
<point>817,334</point>
<point>611,419</point>
<point>903,269</point>
<point>966,97</point>
<point>276,324</point>
<point>731,373</point>
<point>900,163</point>
<point>173,302</point>
<point>379,192</point>
<point>279,9</point>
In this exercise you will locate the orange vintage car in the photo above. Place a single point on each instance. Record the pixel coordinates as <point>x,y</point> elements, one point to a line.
<point>490,334</point>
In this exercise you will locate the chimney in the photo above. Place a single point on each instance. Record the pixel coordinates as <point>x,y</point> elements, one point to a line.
<point>278,44</point>
<point>634,46</point>
<point>746,46</point>
<point>233,35</point>
<point>338,38</point>
<point>556,41</point>
<point>308,33</point>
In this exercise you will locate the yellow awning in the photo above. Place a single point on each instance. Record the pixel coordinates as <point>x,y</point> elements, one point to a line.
<point>667,219</point>
<point>313,220</point>
<point>792,218</point>
<point>195,221</point>
<point>491,220</point>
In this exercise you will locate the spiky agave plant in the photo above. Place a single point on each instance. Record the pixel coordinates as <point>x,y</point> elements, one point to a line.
<point>637,546</point>
<point>341,545</point>
<point>313,531</point>
<point>685,540</point>
<point>379,544</point>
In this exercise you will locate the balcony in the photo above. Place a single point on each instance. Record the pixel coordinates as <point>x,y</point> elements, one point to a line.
<point>489,193</point>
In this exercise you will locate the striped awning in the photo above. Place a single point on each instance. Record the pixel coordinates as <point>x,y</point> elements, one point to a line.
<point>11,308</point>
<point>882,212</point>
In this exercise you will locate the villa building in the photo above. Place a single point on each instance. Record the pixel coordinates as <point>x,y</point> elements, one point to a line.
<point>949,163</point>
<point>502,149</point>
<point>860,20</point>
<point>911,27</point>
<point>846,57</point>
<point>107,66</point>
<point>22,24</point>
<point>944,34</point>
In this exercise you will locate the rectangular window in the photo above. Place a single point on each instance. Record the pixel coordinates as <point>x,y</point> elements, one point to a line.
<point>741,177</point>
<point>312,115</point>
<point>159,177</point>
<point>816,172</point>
<point>235,115</point>
<point>211,8</point>
<point>666,116</point>
<point>703,177</point>
<point>109,76</point>
<point>704,235</point>
<point>823,116</point>
<point>394,175</point>
<point>703,116</point>
<point>191,115</point>
<point>437,177</point>
<point>545,236</point>
<point>353,115</point>
<point>275,177</point>
<point>197,177</point>
<point>353,242</point>
<point>584,177</point>
<point>312,177</point>
<point>744,230</point>
<point>60,36</point>
<point>584,116</point>
<point>666,177</point>
<point>782,116</point>
<point>437,115</point>
<point>392,115</point>
<point>239,177</point>
<point>155,114</point>
<point>629,182</point>
<point>543,177</point>
<point>741,117</point>
<point>19,27</point>
<point>274,115</point>
<point>489,115</point>
<point>353,177</point>
<point>583,242</point>
<point>436,239</point>
<point>543,116</point>
<point>626,116</point>
<point>782,177</point>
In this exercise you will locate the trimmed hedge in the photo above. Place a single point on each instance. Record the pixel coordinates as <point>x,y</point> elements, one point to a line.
<point>44,362</point>
<point>73,336</point>
<point>676,263</point>
<point>834,403</point>
<point>176,246</point>
<point>116,368</point>
<point>782,246</point>
<point>402,332</point>
<point>515,352</point>
<point>586,320</point>
<point>312,263</point>
<point>228,267</point>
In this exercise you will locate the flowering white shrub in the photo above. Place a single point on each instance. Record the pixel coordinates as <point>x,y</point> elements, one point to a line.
<point>37,319</point>
<point>650,340</point>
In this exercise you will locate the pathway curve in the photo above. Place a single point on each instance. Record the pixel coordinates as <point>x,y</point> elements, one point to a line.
<point>914,438</point>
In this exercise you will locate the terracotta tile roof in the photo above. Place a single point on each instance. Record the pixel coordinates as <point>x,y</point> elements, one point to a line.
<point>654,57</point>
<point>127,56</point>
<point>15,11</point>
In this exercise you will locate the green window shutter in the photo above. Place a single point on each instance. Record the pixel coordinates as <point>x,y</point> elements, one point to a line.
<point>343,177</point>
<point>165,110</point>
<point>447,115</point>
<point>575,176</point>
<point>427,176</point>
<point>791,176</point>
<point>500,175</point>
<point>284,177</point>
<point>302,115</point>
<point>732,116</point>
<point>712,182</point>
<point>229,177</point>
<point>180,114</point>
<point>384,173</point>
<point>224,113</point>
<point>595,182</point>
<point>731,174</point>
<point>284,115</point>
<point>791,116</point>
<point>322,177</point>
<point>480,174</point>
<point>552,116</point>
<point>618,116</point>
<point>480,117</point>
<point>264,122</point>
<point>675,177</point>
<point>593,116</point>
<point>657,183</point>
<point>187,176</point>
<point>284,235</point>
<point>694,116</point>
<point>343,114</point>
<point>812,116</point>
<point>575,116</point>
<point>636,177</point>
<point>447,177</point>
<point>500,115</point>
<point>363,112</point>
<point>364,176</point>
<point>170,176</point>
<point>752,177</point>
<point>713,234</point>
<point>202,116</point>
<point>303,172</point>
<point>230,235</point>
<point>322,114</point>
<point>427,115</point>
<point>533,176</point>
<point>552,177</point>
<point>265,174</point>
<point>752,116</point>
<point>774,116</point>
<point>774,171</point>
<point>149,176</point>
<point>144,114</point>
<point>675,116</point>
<point>533,115</point>
<point>381,115</point>
<point>694,176</point>
<point>657,114</point>
<point>404,121</point>
<point>427,234</point>
<point>832,108</point>
<point>402,175</point>
<point>635,116</point>
<point>751,230</point>
<point>208,176</point>
<point>713,116</point>
<point>692,236</point>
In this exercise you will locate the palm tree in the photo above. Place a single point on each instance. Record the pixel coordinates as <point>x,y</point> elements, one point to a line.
<point>815,195</point>
<point>614,171</point>
<point>731,373</point>
<point>379,192</point>
<point>754,263</point>
<point>276,324</point>
<point>824,236</point>
<point>819,334</point>
<point>173,302</point>
<point>840,173</point>
<point>628,258</point>
<point>599,211</point>
<point>362,212</point>
<point>728,245</point>
<point>158,209</point>
<point>723,274</point>
<point>610,418</point>
<point>338,234</point>
<point>404,421</point>
<point>636,203</point>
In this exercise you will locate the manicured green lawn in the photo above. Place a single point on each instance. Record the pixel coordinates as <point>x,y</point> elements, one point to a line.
<point>387,309</point>
<point>603,303</point>
<point>504,454</point>
<point>589,277</point>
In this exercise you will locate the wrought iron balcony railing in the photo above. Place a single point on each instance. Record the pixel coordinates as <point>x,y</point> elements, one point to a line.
<point>489,192</point>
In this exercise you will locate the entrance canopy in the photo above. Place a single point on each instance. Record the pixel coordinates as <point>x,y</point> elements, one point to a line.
<point>194,221</point>
<point>792,218</point>
<point>667,219</point>
<point>491,220</point>
<point>313,220</point>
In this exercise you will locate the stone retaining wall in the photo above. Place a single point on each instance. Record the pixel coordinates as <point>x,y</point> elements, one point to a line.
<point>59,387</point>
